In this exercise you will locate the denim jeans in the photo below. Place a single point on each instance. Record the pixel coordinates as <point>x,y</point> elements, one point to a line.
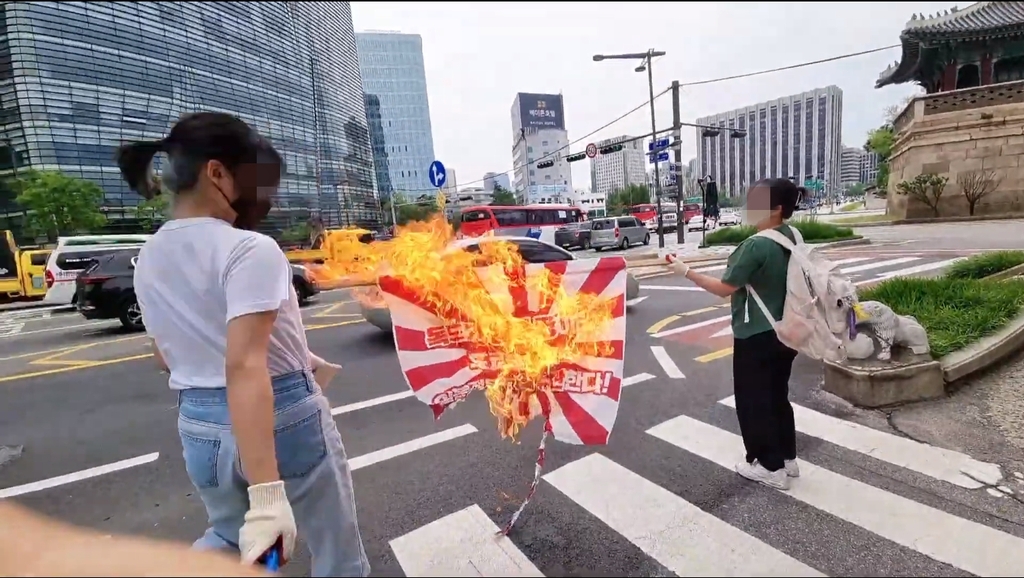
<point>310,458</point>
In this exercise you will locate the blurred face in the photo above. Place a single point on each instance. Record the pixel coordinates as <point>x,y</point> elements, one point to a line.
<point>758,211</point>
<point>249,195</point>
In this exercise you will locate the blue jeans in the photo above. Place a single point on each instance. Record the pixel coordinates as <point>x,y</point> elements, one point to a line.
<point>311,460</point>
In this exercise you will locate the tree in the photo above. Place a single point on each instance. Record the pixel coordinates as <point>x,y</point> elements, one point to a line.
<point>406,211</point>
<point>503,197</point>
<point>975,185</point>
<point>152,212</point>
<point>856,191</point>
<point>57,204</point>
<point>619,202</point>
<point>926,189</point>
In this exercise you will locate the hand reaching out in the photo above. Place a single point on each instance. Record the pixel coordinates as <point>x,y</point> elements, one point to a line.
<point>678,265</point>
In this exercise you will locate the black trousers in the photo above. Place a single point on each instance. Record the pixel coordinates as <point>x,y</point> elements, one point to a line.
<point>761,366</point>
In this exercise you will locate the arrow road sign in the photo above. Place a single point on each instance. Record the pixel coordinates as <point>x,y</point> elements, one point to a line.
<point>661,143</point>
<point>591,150</point>
<point>657,157</point>
<point>437,174</point>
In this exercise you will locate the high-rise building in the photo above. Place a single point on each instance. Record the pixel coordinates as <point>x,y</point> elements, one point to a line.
<point>613,171</point>
<point>869,168</point>
<point>592,204</point>
<point>395,81</point>
<point>492,180</point>
<point>80,78</point>
<point>797,136</point>
<point>538,130</point>
<point>850,165</point>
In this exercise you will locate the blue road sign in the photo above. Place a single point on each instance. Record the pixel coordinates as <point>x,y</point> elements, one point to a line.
<point>657,144</point>
<point>438,176</point>
<point>660,157</point>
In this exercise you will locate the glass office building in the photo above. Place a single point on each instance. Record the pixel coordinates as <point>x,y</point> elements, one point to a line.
<point>77,79</point>
<point>398,112</point>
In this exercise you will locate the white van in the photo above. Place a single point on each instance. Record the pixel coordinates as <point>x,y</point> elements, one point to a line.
<point>73,255</point>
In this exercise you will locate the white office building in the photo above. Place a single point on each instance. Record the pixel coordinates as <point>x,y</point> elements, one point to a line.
<point>592,204</point>
<point>869,168</point>
<point>797,136</point>
<point>538,132</point>
<point>851,164</point>
<point>493,180</point>
<point>613,171</point>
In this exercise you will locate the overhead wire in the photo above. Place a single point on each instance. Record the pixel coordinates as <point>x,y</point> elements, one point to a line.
<point>647,103</point>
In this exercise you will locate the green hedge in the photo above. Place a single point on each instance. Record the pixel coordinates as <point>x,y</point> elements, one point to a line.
<point>812,231</point>
<point>985,264</point>
<point>954,312</point>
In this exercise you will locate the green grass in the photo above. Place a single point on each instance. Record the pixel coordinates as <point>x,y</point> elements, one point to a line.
<point>985,264</point>
<point>954,312</point>
<point>851,207</point>
<point>812,231</point>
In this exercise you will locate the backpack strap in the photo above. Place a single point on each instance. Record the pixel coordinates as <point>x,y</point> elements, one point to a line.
<point>760,305</point>
<point>781,239</point>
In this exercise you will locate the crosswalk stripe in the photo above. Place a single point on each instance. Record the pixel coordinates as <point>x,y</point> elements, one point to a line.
<point>878,265</point>
<point>682,537</point>
<point>932,461</point>
<point>461,544</point>
<point>919,269</point>
<point>965,544</point>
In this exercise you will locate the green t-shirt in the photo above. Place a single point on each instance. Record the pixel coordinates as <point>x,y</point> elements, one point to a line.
<point>764,265</point>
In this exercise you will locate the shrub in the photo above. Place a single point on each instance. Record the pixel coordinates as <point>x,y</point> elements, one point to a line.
<point>954,312</point>
<point>985,264</point>
<point>730,235</point>
<point>812,231</point>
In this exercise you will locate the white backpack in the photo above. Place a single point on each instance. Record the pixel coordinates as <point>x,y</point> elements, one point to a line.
<point>817,297</point>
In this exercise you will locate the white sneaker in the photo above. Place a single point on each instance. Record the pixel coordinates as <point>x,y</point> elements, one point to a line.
<point>756,472</point>
<point>792,469</point>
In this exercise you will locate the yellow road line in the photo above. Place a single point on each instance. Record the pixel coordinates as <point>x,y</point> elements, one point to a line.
<point>83,364</point>
<point>657,327</point>
<point>330,311</point>
<point>661,324</point>
<point>714,355</point>
<point>67,349</point>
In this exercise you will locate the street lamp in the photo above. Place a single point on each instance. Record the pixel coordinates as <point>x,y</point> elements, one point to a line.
<point>646,65</point>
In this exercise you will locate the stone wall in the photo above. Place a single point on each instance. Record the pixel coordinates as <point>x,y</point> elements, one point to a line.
<point>950,133</point>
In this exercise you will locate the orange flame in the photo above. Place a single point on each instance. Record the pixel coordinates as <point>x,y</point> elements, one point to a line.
<point>517,353</point>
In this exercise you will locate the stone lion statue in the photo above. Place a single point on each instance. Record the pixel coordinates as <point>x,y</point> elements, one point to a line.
<point>888,328</point>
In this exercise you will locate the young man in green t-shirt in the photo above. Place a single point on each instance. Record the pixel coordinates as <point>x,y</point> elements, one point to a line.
<point>761,363</point>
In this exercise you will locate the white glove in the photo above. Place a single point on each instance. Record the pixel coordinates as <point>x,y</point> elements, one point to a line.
<point>680,266</point>
<point>269,518</point>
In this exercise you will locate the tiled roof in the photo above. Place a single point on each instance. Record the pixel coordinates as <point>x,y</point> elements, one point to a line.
<point>977,18</point>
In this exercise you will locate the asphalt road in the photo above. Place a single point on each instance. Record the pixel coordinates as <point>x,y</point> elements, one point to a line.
<point>659,500</point>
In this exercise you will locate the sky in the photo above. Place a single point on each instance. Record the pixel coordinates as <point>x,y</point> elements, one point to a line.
<point>478,55</point>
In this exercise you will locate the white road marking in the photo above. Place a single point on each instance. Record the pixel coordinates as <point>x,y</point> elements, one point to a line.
<point>919,269</point>
<point>727,330</point>
<point>670,367</point>
<point>466,543</point>
<point>965,544</point>
<point>635,379</point>
<point>410,446</point>
<point>878,265</point>
<point>77,476</point>
<point>349,408</point>
<point>636,300</point>
<point>682,537</point>
<point>935,462</point>
<point>692,326</point>
<point>669,288</point>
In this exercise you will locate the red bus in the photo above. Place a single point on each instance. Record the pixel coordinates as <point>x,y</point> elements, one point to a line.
<point>537,221</point>
<point>645,212</point>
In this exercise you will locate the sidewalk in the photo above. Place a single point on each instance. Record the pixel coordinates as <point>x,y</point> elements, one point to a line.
<point>30,305</point>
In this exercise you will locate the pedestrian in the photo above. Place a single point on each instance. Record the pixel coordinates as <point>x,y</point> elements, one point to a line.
<point>259,442</point>
<point>761,364</point>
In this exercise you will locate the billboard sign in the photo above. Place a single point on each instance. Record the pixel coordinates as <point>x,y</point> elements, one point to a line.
<point>541,110</point>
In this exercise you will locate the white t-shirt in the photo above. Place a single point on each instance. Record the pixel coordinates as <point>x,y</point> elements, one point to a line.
<point>194,276</point>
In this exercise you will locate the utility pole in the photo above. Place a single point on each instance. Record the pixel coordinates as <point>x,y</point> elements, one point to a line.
<point>678,157</point>
<point>657,173</point>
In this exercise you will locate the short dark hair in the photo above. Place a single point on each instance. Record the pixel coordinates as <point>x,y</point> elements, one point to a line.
<point>783,193</point>
<point>195,140</point>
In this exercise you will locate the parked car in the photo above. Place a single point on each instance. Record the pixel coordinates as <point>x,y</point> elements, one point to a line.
<point>304,282</point>
<point>729,218</point>
<point>573,236</point>
<point>375,310</point>
<point>698,223</point>
<point>621,232</point>
<point>105,289</point>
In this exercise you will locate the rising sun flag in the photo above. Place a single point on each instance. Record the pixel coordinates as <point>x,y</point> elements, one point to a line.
<point>540,340</point>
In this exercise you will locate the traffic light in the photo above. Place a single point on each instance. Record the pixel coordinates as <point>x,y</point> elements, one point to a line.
<point>611,149</point>
<point>576,157</point>
<point>545,164</point>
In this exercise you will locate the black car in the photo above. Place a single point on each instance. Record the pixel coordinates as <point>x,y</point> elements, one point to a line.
<point>106,288</point>
<point>573,236</point>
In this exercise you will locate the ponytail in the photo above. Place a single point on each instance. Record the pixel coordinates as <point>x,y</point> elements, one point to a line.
<point>134,160</point>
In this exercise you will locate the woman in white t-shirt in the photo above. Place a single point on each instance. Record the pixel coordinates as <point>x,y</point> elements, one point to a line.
<point>259,441</point>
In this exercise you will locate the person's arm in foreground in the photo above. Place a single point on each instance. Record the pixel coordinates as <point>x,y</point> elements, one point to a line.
<point>32,545</point>
<point>743,262</point>
<point>255,284</point>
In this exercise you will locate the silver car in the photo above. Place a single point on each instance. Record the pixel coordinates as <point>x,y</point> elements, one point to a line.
<point>621,232</point>
<point>375,310</point>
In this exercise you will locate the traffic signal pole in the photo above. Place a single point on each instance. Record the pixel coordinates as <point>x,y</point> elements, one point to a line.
<point>657,173</point>
<point>677,135</point>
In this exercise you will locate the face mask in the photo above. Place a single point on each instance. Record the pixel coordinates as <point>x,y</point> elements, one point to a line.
<point>250,210</point>
<point>755,216</point>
